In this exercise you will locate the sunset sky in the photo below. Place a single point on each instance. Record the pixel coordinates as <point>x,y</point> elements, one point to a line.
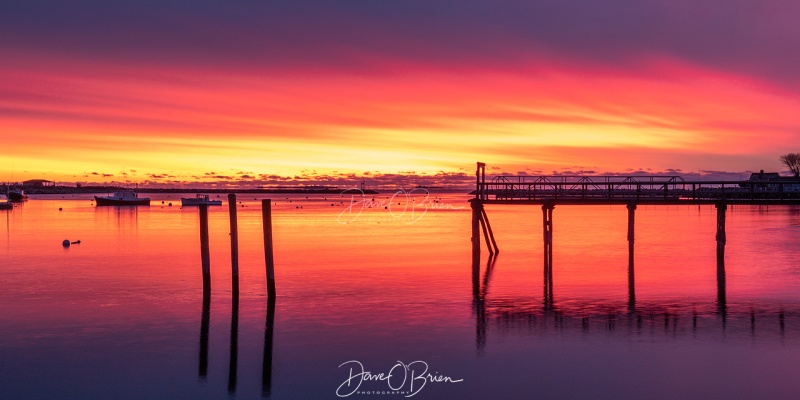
<point>265,91</point>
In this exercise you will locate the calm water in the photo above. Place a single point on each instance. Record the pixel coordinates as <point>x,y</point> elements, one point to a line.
<point>121,315</point>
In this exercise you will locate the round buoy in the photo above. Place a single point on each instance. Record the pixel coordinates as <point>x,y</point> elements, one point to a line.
<point>386,207</point>
<point>65,243</point>
<point>59,209</point>
<point>170,204</point>
<point>162,201</point>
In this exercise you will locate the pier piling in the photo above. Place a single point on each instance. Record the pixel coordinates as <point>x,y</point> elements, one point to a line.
<point>476,245</point>
<point>204,248</point>
<point>486,237</point>
<point>234,240</point>
<point>720,236</point>
<point>631,206</point>
<point>490,242</point>
<point>266,214</point>
<point>547,225</point>
<point>721,240</point>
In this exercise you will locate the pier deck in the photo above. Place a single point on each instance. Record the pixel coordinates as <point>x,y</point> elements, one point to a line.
<point>630,191</point>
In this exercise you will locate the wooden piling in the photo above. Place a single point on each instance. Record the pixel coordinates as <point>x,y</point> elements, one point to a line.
<point>491,234</point>
<point>721,236</point>
<point>234,238</point>
<point>631,277</point>
<point>204,247</point>
<point>486,235</point>
<point>266,215</point>
<point>721,240</point>
<point>476,246</point>
<point>547,225</point>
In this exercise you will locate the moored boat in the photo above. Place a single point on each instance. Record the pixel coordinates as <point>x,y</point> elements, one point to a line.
<point>6,204</point>
<point>200,199</point>
<point>122,198</point>
<point>16,195</point>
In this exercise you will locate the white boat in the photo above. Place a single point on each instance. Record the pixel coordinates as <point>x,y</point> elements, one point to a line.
<point>6,204</point>
<point>122,198</point>
<point>200,199</point>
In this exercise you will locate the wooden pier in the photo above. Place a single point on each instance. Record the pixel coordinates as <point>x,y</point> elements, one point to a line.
<point>628,191</point>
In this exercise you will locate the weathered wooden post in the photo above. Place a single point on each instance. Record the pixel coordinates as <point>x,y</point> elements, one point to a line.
<point>204,248</point>
<point>488,226</point>
<point>631,206</point>
<point>234,240</point>
<point>547,225</point>
<point>721,240</point>
<point>266,215</point>
<point>486,236</point>
<point>476,246</point>
<point>720,236</point>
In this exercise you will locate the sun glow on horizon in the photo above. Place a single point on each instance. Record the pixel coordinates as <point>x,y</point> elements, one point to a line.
<point>82,126</point>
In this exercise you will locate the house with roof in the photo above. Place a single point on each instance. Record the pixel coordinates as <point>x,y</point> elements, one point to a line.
<point>774,182</point>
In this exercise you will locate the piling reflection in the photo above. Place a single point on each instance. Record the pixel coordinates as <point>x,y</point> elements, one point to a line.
<point>722,304</point>
<point>674,319</point>
<point>478,304</point>
<point>204,323</point>
<point>234,347</point>
<point>673,322</point>
<point>266,372</point>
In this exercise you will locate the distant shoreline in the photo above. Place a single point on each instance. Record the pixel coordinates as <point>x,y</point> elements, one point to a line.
<point>110,189</point>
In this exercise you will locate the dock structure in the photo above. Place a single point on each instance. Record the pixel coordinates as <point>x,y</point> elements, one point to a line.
<point>628,191</point>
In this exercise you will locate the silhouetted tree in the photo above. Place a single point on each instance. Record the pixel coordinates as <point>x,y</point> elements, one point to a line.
<point>792,161</point>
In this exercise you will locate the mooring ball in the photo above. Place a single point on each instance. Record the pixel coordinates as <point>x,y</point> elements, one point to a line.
<point>59,208</point>
<point>65,243</point>
<point>170,204</point>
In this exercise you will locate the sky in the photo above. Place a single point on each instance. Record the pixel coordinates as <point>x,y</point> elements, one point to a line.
<point>258,92</point>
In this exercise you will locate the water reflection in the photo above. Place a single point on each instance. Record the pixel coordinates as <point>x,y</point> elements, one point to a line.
<point>126,218</point>
<point>717,320</point>
<point>234,347</point>
<point>722,304</point>
<point>204,322</point>
<point>478,303</point>
<point>266,376</point>
<point>266,372</point>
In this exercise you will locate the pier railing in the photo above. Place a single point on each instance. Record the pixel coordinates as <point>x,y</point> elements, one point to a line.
<point>616,188</point>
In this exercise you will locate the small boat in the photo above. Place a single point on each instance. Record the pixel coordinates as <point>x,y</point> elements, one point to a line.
<point>6,204</point>
<point>16,195</point>
<point>122,198</point>
<point>199,199</point>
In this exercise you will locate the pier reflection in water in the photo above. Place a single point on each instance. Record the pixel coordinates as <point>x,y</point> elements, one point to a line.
<point>675,319</point>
